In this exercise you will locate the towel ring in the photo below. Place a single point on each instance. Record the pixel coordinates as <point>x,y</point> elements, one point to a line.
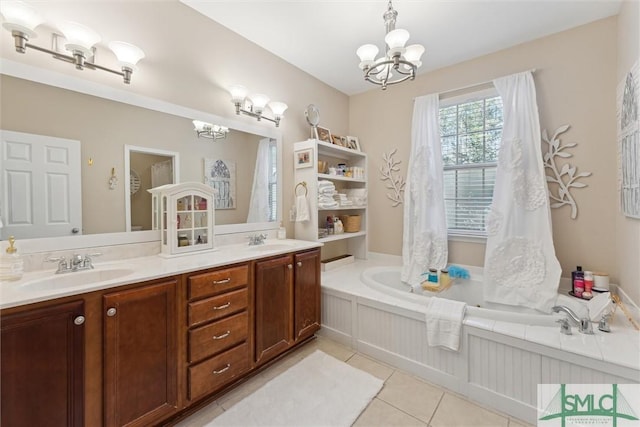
<point>304,185</point>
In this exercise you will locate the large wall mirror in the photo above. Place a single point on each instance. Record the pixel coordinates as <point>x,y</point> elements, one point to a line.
<point>130,144</point>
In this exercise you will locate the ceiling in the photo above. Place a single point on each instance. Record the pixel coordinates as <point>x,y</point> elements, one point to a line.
<point>321,36</point>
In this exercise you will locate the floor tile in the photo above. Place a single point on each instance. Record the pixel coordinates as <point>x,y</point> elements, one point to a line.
<point>332,348</point>
<point>411,395</point>
<point>514,423</point>
<point>376,369</point>
<point>454,411</point>
<point>379,413</point>
<point>202,417</point>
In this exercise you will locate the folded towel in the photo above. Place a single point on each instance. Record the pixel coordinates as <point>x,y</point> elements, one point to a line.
<point>444,322</point>
<point>302,208</point>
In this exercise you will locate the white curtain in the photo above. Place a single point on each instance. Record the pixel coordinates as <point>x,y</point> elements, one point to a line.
<point>161,173</point>
<point>424,242</point>
<point>259,206</point>
<point>520,262</point>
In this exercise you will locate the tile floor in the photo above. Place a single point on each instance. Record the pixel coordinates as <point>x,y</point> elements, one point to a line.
<point>404,400</point>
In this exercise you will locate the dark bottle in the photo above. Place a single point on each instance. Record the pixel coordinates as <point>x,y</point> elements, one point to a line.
<point>577,273</point>
<point>329,225</point>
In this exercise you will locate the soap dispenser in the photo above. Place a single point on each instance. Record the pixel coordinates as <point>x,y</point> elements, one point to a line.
<point>11,263</point>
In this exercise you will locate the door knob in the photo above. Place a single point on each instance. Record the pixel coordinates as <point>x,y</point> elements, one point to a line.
<point>78,320</point>
<point>111,312</point>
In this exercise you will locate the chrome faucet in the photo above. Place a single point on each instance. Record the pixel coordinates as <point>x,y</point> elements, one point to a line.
<point>75,263</point>
<point>584,324</point>
<point>257,239</point>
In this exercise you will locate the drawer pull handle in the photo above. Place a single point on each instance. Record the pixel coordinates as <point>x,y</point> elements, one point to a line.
<point>221,282</point>
<point>223,306</point>
<point>222,370</point>
<point>219,337</point>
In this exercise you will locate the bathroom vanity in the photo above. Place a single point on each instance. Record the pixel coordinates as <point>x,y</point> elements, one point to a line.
<point>163,340</point>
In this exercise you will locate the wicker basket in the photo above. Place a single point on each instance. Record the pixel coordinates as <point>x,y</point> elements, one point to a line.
<point>351,223</point>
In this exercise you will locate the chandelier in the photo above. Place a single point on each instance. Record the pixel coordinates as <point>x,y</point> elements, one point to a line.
<point>399,63</point>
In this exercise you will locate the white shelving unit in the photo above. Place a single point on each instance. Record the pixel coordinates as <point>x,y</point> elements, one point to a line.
<point>333,155</point>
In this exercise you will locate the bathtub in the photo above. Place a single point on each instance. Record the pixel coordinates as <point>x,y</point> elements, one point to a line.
<point>387,280</point>
<point>505,352</point>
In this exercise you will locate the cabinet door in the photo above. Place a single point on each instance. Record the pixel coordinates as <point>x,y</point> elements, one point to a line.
<point>42,367</point>
<point>274,307</point>
<point>140,354</point>
<point>307,294</point>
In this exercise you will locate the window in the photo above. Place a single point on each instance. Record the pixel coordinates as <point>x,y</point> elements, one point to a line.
<point>470,131</point>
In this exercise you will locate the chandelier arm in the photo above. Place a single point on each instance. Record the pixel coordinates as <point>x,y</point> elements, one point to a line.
<point>257,116</point>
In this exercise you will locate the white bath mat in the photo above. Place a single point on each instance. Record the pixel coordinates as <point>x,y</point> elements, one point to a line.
<point>318,391</point>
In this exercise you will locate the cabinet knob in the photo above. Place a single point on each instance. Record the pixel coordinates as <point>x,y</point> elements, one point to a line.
<point>111,312</point>
<point>78,320</point>
<point>290,266</point>
<point>299,264</point>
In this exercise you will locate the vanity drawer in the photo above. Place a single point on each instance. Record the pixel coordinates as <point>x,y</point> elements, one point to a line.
<point>218,306</point>
<point>212,374</point>
<point>216,282</point>
<point>218,336</point>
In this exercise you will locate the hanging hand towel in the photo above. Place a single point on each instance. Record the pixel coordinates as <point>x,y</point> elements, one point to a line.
<point>302,208</point>
<point>444,322</point>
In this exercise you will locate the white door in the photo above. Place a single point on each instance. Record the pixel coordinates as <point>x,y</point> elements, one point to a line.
<point>40,186</point>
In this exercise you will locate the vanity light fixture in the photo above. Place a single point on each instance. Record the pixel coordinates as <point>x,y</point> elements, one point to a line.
<point>398,59</point>
<point>22,19</point>
<point>207,130</point>
<point>253,105</point>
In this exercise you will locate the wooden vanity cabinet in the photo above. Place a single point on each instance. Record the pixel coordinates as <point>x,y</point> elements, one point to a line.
<point>219,335</point>
<point>42,366</point>
<point>140,354</point>
<point>307,294</point>
<point>287,304</point>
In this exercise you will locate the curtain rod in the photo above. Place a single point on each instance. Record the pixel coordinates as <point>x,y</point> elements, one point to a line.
<point>471,86</point>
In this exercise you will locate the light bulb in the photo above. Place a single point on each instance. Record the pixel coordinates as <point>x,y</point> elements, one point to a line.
<point>128,55</point>
<point>259,101</point>
<point>79,37</point>
<point>413,54</point>
<point>367,54</point>
<point>396,39</point>
<point>200,126</point>
<point>238,93</point>
<point>278,108</point>
<point>20,17</point>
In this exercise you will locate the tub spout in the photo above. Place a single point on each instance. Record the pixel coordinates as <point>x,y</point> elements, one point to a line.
<point>584,323</point>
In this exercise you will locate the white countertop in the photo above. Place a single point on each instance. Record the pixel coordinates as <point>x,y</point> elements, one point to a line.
<point>46,285</point>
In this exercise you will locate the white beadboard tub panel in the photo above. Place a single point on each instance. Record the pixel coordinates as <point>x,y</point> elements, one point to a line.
<point>337,316</point>
<point>493,369</point>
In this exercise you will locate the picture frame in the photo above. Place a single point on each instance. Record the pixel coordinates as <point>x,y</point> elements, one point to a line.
<point>353,143</point>
<point>324,134</point>
<point>303,158</point>
<point>336,139</point>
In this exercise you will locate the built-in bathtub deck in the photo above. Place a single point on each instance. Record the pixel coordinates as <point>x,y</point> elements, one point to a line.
<point>499,363</point>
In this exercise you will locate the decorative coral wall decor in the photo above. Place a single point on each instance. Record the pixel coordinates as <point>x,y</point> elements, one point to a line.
<point>389,172</point>
<point>628,112</point>
<point>565,178</point>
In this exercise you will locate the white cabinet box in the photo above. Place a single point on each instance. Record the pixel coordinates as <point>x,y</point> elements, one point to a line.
<point>184,214</point>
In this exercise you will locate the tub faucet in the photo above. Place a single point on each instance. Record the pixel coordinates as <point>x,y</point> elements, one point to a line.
<point>584,323</point>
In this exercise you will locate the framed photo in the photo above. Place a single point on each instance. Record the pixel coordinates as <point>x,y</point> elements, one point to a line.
<point>353,143</point>
<point>303,158</point>
<point>336,139</point>
<point>324,134</point>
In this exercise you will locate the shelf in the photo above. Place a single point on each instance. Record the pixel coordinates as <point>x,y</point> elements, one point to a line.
<point>332,150</point>
<point>341,236</point>
<point>343,208</point>
<point>339,178</point>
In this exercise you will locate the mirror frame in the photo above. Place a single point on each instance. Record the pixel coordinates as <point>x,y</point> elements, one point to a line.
<point>52,78</point>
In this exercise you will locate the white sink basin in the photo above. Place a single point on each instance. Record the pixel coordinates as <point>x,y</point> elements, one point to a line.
<point>79,278</point>
<point>271,247</point>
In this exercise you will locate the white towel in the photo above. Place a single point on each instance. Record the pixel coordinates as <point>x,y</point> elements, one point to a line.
<point>302,208</point>
<point>444,322</point>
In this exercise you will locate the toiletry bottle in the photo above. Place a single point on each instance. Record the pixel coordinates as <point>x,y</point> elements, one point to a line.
<point>433,275</point>
<point>588,281</point>
<point>573,278</point>
<point>578,285</point>
<point>329,225</point>
<point>282,232</point>
<point>11,263</point>
<point>444,277</point>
